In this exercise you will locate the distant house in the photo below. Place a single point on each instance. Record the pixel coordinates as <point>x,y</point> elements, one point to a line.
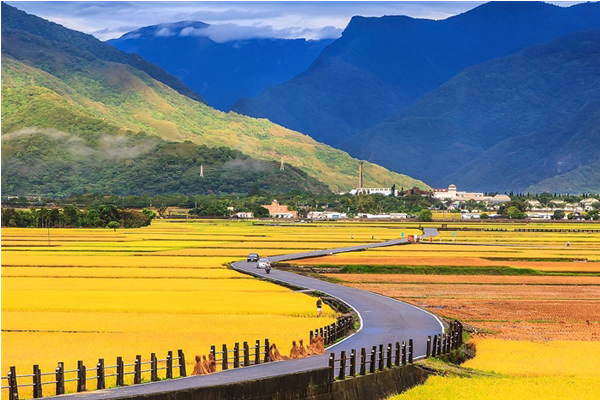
<point>277,210</point>
<point>452,194</point>
<point>326,215</point>
<point>500,198</point>
<point>172,211</point>
<point>383,191</point>
<point>243,215</point>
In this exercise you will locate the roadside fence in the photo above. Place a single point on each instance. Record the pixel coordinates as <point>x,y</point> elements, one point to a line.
<point>173,366</point>
<point>383,357</point>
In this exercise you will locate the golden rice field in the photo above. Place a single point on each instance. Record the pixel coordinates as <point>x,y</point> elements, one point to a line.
<point>507,370</point>
<point>95,293</point>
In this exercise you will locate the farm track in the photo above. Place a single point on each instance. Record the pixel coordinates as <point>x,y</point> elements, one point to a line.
<point>383,320</point>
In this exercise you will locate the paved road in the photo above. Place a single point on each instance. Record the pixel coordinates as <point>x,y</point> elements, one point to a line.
<point>383,320</point>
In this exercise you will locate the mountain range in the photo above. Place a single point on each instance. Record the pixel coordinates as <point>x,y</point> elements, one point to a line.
<point>507,124</point>
<point>380,66</point>
<point>62,85</point>
<point>221,72</point>
<point>501,97</point>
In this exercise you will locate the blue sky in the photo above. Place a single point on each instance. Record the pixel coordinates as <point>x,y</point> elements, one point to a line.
<point>237,20</point>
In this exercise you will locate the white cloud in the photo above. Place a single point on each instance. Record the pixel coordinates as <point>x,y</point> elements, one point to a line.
<point>164,32</point>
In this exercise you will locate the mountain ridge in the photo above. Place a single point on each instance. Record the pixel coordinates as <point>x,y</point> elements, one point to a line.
<point>381,65</point>
<point>221,71</point>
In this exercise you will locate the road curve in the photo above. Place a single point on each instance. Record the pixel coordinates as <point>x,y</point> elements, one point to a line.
<point>383,320</point>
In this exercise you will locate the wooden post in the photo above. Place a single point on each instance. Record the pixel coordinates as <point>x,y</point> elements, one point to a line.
<point>321,332</point>
<point>428,353</point>
<point>342,374</point>
<point>363,361</point>
<point>410,351</point>
<point>213,351</point>
<point>397,361</point>
<point>153,367</point>
<point>310,336</point>
<point>439,345</point>
<point>169,373</point>
<point>353,363</point>
<point>137,377</point>
<point>389,356</point>
<point>434,346</point>
<point>225,364</point>
<point>82,378</point>
<point>331,367</point>
<point>120,372</point>
<point>267,346</point>
<point>404,352</point>
<point>448,339</point>
<point>182,371</point>
<point>236,355</point>
<point>373,356</point>
<point>326,336</point>
<point>257,352</point>
<point>246,354</point>
<point>37,382</point>
<point>100,384</point>
<point>60,379</point>
<point>13,387</point>
<point>381,357</point>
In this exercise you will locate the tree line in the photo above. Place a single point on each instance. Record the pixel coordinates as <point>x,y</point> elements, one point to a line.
<point>70,216</point>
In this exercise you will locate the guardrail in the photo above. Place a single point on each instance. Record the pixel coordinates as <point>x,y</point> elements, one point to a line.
<point>383,357</point>
<point>226,358</point>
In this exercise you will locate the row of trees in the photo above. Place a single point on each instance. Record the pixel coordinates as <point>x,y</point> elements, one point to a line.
<point>70,216</point>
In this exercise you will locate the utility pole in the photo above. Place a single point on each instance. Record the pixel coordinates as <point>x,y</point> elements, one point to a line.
<point>281,167</point>
<point>201,170</point>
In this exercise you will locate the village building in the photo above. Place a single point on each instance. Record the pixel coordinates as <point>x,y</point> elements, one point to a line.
<point>452,194</point>
<point>326,215</point>
<point>277,210</point>
<point>243,215</point>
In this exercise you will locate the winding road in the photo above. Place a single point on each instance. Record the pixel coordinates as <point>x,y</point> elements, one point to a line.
<point>382,320</point>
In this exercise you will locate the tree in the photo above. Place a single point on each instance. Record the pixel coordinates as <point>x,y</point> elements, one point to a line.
<point>425,216</point>
<point>113,225</point>
<point>484,216</point>
<point>559,214</point>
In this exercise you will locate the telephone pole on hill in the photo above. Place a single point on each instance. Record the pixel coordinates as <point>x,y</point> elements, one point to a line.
<point>281,168</point>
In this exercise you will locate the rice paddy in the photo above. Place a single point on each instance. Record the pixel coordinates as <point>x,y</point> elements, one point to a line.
<point>95,293</point>
<point>520,370</point>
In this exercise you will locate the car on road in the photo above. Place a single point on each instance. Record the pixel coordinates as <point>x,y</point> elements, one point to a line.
<point>263,263</point>
<point>252,257</point>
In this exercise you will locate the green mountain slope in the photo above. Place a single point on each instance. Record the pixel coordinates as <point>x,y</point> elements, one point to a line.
<point>78,93</point>
<point>54,163</point>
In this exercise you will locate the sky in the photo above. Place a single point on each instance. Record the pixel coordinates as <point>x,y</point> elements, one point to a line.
<point>235,20</point>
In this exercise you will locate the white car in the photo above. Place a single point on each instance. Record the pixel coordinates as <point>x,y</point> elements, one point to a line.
<point>262,263</point>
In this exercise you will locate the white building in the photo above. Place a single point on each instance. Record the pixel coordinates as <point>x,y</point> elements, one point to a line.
<point>243,215</point>
<point>452,194</point>
<point>326,215</point>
